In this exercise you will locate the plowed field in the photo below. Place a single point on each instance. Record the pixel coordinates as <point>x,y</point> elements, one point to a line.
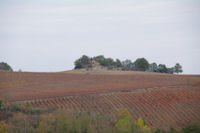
<point>163,100</point>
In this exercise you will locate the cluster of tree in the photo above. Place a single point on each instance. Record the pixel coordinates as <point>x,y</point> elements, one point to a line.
<point>66,121</point>
<point>5,66</point>
<point>140,64</point>
<point>83,62</point>
<point>161,68</point>
<point>107,62</point>
<point>86,62</point>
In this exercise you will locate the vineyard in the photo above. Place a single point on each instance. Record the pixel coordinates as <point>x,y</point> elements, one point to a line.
<point>162,100</point>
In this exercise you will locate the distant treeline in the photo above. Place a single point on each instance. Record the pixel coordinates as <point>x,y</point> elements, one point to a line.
<point>140,64</point>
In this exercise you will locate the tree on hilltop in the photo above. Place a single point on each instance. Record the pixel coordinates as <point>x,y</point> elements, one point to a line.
<point>106,62</point>
<point>127,65</point>
<point>118,63</point>
<point>100,59</point>
<point>83,62</point>
<point>162,68</point>
<point>178,68</point>
<point>153,67</point>
<point>170,70</point>
<point>5,66</point>
<point>141,64</point>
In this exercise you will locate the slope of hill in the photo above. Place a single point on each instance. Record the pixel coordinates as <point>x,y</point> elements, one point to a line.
<point>163,100</point>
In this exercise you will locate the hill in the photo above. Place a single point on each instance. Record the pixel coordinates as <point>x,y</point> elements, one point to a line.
<point>162,100</point>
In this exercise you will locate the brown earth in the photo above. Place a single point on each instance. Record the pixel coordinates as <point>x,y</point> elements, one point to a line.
<point>163,100</point>
<point>25,85</point>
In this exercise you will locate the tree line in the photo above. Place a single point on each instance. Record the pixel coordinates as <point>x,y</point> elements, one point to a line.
<point>140,64</point>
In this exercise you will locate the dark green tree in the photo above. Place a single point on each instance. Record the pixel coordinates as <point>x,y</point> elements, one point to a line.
<point>118,63</point>
<point>101,60</point>
<point>141,64</point>
<point>83,62</point>
<point>162,68</point>
<point>178,68</point>
<point>107,62</point>
<point>127,65</point>
<point>153,67</point>
<point>78,64</point>
<point>170,70</point>
<point>5,66</point>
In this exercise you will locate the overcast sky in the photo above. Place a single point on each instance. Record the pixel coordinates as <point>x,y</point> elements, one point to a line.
<point>48,35</point>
